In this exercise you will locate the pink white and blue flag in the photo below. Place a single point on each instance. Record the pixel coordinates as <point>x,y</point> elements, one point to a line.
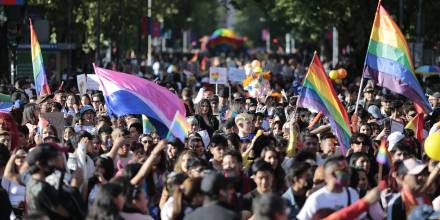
<point>129,94</point>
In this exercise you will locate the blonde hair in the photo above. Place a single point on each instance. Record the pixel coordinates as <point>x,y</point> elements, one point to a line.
<point>243,117</point>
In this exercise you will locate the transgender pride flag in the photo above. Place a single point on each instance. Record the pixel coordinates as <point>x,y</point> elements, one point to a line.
<point>129,94</point>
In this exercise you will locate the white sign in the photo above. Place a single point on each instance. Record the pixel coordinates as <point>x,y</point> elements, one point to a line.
<point>89,83</point>
<point>236,75</point>
<point>218,75</point>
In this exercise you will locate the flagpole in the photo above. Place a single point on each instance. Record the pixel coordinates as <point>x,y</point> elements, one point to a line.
<point>365,61</point>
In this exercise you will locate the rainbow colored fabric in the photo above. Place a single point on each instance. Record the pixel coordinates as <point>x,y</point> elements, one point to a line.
<point>179,128</point>
<point>257,84</point>
<point>224,39</point>
<point>389,63</point>
<point>41,85</point>
<point>129,94</point>
<point>6,103</point>
<point>383,156</point>
<point>318,94</point>
<point>416,124</point>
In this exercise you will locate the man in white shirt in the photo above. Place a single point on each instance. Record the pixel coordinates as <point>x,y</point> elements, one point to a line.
<point>335,194</point>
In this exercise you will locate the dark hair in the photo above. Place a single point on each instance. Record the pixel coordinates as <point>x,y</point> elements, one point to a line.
<point>78,136</point>
<point>304,155</point>
<point>234,139</point>
<point>133,193</point>
<point>402,146</point>
<point>28,114</point>
<point>355,156</point>
<point>107,164</point>
<point>105,129</point>
<point>104,207</point>
<point>266,206</point>
<point>218,140</point>
<point>235,154</point>
<point>199,107</point>
<point>261,165</point>
<point>296,171</point>
<point>137,126</point>
<point>356,136</point>
<point>194,162</point>
<point>327,136</point>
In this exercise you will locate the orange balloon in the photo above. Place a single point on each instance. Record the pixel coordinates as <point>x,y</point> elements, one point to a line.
<point>342,73</point>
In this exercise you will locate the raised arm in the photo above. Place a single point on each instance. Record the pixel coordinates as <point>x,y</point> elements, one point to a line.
<point>116,145</point>
<point>9,172</point>
<point>146,167</point>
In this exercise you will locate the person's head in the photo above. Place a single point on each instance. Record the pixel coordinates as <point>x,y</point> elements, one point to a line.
<point>230,127</point>
<point>232,163</point>
<point>362,184</point>
<point>45,103</point>
<point>214,103</point>
<point>5,138</point>
<point>386,103</point>
<point>182,161</point>
<point>194,123</point>
<point>336,171</point>
<point>250,104</point>
<point>108,203</point>
<point>188,193</point>
<point>135,130</point>
<point>244,123</point>
<point>147,141</point>
<point>434,99</point>
<point>328,146</point>
<point>214,187</point>
<point>69,132</point>
<point>365,129</point>
<point>45,159</point>
<point>269,206</point>
<point>400,152</point>
<point>48,130</point>
<point>20,157</point>
<point>195,167</point>
<point>277,129</point>
<point>30,114</point>
<point>136,200</point>
<point>104,166</point>
<point>412,174</point>
<point>85,100</point>
<point>87,115</point>
<point>174,148</point>
<point>359,143</point>
<point>360,160</point>
<point>195,143</point>
<point>71,100</point>
<point>300,177</point>
<point>262,174</point>
<point>80,135</point>
<point>270,155</point>
<point>311,141</point>
<point>217,146</point>
<point>204,107</point>
<point>97,100</point>
<point>369,93</point>
<point>60,97</point>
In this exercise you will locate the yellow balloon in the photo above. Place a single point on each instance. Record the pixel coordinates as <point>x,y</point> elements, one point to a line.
<point>342,73</point>
<point>255,63</point>
<point>333,75</point>
<point>432,146</point>
<point>258,69</point>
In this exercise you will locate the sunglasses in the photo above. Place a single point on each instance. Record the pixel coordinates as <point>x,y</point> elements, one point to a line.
<point>361,142</point>
<point>147,142</point>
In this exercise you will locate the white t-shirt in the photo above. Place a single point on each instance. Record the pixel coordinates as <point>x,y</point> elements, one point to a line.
<point>15,191</point>
<point>325,199</point>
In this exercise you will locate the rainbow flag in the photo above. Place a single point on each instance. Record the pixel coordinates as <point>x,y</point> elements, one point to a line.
<point>129,94</point>
<point>318,94</point>
<point>224,39</point>
<point>179,128</point>
<point>12,2</point>
<point>147,127</point>
<point>257,84</point>
<point>41,85</point>
<point>416,124</point>
<point>389,63</point>
<point>6,103</point>
<point>383,155</point>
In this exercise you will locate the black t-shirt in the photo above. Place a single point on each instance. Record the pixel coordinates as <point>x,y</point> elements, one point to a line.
<point>246,201</point>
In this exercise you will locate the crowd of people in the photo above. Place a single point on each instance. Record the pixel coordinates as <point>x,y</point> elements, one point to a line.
<point>244,157</point>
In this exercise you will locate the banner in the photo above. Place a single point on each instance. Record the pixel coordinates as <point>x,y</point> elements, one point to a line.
<point>218,75</point>
<point>236,75</point>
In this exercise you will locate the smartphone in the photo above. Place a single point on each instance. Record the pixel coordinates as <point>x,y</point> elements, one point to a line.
<point>387,126</point>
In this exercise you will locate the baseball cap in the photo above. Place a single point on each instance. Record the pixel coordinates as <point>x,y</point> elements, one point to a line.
<point>423,212</point>
<point>412,166</point>
<point>86,108</point>
<point>369,89</point>
<point>44,98</point>
<point>212,183</point>
<point>374,111</point>
<point>393,138</point>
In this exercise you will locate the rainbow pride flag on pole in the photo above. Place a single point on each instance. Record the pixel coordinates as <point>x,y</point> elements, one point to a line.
<point>147,127</point>
<point>416,124</point>
<point>389,63</point>
<point>41,85</point>
<point>318,94</point>
<point>383,155</point>
<point>129,94</point>
<point>179,128</point>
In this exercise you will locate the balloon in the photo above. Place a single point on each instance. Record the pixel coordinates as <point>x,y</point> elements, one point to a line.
<point>432,146</point>
<point>342,73</point>
<point>333,74</point>
<point>255,63</point>
<point>258,69</point>
<point>338,81</point>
